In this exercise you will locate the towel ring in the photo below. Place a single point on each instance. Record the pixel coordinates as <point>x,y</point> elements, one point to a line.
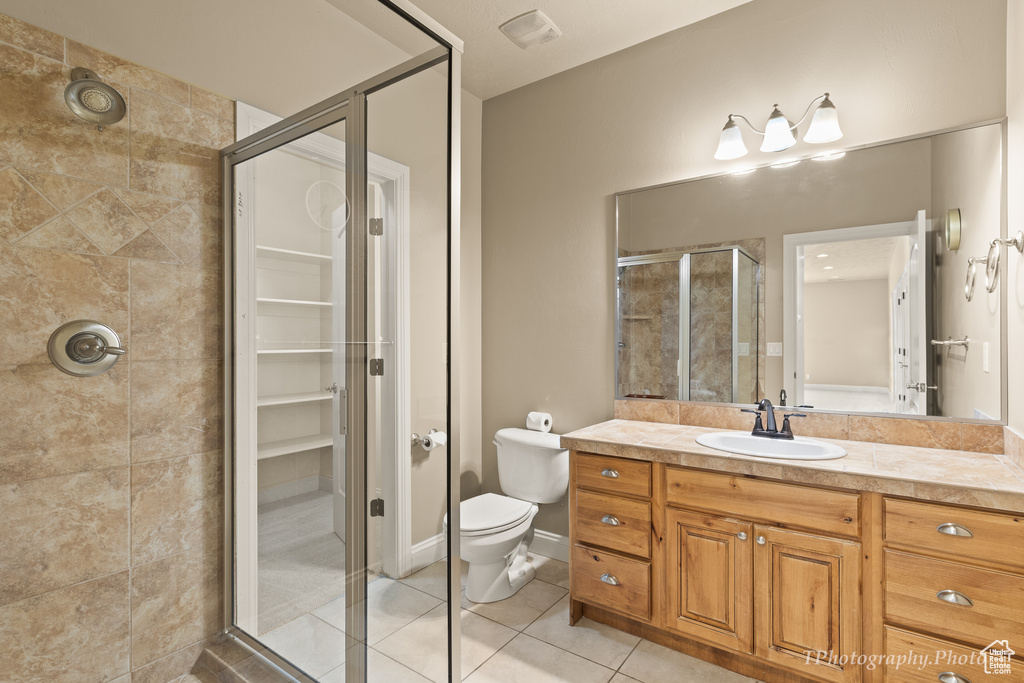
<point>992,267</point>
<point>972,272</point>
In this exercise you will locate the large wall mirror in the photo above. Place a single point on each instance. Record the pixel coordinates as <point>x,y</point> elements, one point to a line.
<point>858,282</point>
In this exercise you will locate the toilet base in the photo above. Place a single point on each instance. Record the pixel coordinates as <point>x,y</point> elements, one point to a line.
<point>493,581</point>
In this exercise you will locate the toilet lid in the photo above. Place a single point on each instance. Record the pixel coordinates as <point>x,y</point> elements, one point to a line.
<point>491,512</point>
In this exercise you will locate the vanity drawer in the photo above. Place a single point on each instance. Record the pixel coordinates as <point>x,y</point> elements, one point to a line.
<point>783,504</point>
<point>971,535</point>
<point>912,658</point>
<point>626,587</point>
<point>912,585</point>
<point>611,522</point>
<point>615,475</point>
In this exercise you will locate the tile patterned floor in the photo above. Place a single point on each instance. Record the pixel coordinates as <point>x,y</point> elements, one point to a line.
<point>524,638</point>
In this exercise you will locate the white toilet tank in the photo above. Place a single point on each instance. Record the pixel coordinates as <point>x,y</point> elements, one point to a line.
<point>532,465</point>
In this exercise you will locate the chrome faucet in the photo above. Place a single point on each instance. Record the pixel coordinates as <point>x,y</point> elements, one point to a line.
<point>771,431</point>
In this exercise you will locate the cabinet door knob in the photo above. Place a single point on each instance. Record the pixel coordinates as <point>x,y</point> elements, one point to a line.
<point>742,535</point>
<point>951,529</point>
<point>610,520</point>
<point>760,540</point>
<point>609,579</point>
<point>955,598</point>
<point>950,677</point>
<point>609,472</point>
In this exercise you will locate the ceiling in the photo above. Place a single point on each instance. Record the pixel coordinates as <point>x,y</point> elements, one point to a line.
<point>868,259</point>
<point>591,29</point>
<point>283,55</point>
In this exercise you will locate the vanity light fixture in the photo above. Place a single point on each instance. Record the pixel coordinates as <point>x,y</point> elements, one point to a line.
<point>779,132</point>
<point>822,255</point>
<point>829,267</point>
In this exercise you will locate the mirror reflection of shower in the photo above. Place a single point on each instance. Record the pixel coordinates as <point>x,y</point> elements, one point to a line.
<point>688,325</point>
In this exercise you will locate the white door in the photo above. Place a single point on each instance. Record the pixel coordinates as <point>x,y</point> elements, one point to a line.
<point>900,335</point>
<point>917,338</point>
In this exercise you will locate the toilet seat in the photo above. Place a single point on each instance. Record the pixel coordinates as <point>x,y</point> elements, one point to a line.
<point>491,513</point>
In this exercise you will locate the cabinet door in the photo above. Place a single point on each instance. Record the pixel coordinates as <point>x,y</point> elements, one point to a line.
<point>709,579</point>
<point>807,603</point>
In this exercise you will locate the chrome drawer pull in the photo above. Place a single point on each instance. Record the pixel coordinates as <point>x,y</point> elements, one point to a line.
<point>609,579</point>
<point>950,677</point>
<point>610,520</point>
<point>951,529</point>
<point>760,540</point>
<point>609,472</point>
<point>742,535</point>
<point>955,598</point>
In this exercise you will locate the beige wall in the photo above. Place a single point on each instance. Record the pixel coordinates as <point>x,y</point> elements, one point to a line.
<point>555,152</point>
<point>111,543</point>
<point>1015,207</point>
<point>967,173</point>
<point>846,333</point>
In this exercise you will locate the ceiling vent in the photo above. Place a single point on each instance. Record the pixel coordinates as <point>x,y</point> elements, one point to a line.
<point>532,28</point>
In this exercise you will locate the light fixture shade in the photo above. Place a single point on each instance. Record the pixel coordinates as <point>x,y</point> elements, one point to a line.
<point>778,132</point>
<point>824,124</point>
<point>730,145</point>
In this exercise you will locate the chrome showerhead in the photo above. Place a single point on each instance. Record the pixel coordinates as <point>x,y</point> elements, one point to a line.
<point>93,100</point>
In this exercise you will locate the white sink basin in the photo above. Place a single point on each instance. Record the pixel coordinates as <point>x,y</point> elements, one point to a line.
<point>799,448</point>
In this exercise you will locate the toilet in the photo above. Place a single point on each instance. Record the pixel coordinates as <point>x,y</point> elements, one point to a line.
<point>496,530</point>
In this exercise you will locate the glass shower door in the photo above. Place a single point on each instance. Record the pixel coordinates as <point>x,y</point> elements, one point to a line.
<point>340,352</point>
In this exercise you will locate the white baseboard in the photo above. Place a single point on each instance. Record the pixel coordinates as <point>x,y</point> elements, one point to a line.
<point>550,545</point>
<point>326,484</point>
<point>292,488</point>
<point>427,552</point>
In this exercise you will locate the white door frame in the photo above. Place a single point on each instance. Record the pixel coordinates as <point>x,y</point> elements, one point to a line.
<point>396,470</point>
<point>793,289</point>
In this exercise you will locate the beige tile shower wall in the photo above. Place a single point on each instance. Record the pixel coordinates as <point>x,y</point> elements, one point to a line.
<point>557,151</point>
<point>111,486</point>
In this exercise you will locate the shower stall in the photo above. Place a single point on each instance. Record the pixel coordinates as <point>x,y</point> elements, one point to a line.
<point>688,324</point>
<point>333,333</point>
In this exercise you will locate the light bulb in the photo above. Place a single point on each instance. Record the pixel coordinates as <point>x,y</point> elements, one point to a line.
<point>824,124</point>
<point>730,145</point>
<point>778,132</point>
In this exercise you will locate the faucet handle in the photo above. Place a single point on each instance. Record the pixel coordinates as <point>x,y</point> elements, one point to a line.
<point>750,410</point>
<point>789,415</point>
<point>787,430</point>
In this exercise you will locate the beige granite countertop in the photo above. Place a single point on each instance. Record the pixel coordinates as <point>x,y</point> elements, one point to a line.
<point>960,477</point>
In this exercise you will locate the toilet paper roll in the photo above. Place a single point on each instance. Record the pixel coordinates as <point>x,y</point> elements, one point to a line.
<point>433,440</point>
<point>538,422</point>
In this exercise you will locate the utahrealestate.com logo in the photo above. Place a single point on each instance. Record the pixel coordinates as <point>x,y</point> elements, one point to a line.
<point>997,657</point>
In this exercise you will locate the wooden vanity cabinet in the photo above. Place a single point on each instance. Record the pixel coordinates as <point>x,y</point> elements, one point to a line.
<point>759,589</point>
<point>715,566</point>
<point>954,578</point>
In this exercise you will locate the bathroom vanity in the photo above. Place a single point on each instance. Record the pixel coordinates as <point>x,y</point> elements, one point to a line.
<point>799,571</point>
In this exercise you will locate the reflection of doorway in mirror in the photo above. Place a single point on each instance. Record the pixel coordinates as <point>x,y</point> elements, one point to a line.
<point>858,311</point>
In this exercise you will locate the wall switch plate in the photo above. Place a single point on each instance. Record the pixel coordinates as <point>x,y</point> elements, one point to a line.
<point>774,348</point>
<point>744,348</point>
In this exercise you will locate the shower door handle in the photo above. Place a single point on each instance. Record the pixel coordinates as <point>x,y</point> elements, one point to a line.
<point>342,411</point>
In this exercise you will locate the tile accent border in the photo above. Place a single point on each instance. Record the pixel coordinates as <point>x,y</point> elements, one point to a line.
<point>897,431</point>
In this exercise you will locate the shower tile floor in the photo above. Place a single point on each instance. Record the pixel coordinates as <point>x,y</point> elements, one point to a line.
<point>526,637</point>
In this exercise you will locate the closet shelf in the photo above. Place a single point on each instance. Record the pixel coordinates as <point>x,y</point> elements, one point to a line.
<point>290,255</point>
<point>293,302</point>
<point>290,399</point>
<point>273,449</point>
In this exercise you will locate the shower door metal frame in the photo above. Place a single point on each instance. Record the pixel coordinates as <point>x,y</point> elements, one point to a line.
<point>683,257</point>
<point>350,106</point>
